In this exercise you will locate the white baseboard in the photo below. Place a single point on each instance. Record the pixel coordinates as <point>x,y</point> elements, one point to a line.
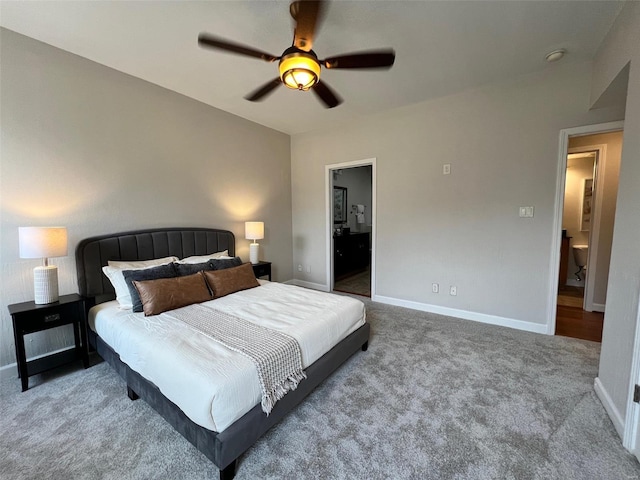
<point>607,403</point>
<point>11,370</point>
<point>464,314</point>
<point>451,312</point>
<point>314,286</point>
<point>575,283</point>
<point>598,307</point>
<point>7,371</point>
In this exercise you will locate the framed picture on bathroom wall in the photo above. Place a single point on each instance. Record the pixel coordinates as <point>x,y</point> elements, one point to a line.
<point>339,205</point>
<point>587,201</point>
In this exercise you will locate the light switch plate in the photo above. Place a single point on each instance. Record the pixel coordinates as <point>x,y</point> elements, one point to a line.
<point>526,212</point>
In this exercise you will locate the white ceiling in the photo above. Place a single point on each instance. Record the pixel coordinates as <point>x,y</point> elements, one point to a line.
<point>442,47</point>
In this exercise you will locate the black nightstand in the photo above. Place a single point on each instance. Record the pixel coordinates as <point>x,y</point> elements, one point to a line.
<point>262,269</point>
<point>29,318</point>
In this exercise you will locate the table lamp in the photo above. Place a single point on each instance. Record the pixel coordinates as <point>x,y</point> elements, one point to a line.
<point>254,231</point>
<point>43,242</point>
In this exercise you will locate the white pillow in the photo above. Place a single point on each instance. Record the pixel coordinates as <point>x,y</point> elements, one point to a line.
<point>114,273</point>
<point>204,258</point>
<point>141,263</point>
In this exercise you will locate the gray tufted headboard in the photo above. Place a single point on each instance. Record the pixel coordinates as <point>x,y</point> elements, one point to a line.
<point>94,253</point>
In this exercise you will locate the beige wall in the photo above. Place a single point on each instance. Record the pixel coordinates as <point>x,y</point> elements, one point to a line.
<point>462,229</point>
<point>98,151</point>
<point>619,50</point>
<point>608,182</point>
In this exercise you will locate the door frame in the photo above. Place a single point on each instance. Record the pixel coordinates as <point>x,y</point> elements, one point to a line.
<point>556,239</point>
<point>329,169</point>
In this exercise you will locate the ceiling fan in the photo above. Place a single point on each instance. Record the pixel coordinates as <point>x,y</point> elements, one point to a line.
<point>299,66</point>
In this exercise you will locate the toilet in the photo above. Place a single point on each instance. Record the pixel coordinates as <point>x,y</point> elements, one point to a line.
<point>580,255</point>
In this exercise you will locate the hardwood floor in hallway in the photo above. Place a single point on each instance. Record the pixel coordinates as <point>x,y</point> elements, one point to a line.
<point>577,323</point>
<point>572,320</point>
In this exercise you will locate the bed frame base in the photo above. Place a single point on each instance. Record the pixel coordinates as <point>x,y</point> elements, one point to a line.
<point>131,394</point>
<point>224,448</point>
<point>230,471</point>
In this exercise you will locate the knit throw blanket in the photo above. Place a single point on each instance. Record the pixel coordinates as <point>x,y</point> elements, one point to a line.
<point>276,355</point>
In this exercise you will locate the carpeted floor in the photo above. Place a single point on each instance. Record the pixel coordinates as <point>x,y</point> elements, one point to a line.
<point>433,398</point>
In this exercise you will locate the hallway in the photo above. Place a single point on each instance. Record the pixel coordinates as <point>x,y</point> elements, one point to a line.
<point>572,320</point>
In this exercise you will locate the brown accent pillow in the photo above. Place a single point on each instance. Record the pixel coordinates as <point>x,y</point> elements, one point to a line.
<point>165,294</point>
<point>230,280</point>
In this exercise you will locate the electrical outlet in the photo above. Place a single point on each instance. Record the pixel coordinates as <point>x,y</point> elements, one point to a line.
<point>435,288</point>
<point>446,169</point>
<point>453,290</point>
<point>299,268</point>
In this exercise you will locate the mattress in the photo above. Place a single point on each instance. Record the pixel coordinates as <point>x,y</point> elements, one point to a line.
<point>215,386</point>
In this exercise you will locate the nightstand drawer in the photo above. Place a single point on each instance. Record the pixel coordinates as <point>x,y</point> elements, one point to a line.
<point>262,269</point>
<point>45,318</point>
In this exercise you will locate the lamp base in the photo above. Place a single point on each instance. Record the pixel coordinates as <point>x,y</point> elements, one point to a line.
<point>45,284</point>
<point>253,252</point>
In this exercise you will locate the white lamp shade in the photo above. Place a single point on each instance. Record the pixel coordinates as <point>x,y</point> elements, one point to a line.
<point>42,242</point>
<point>253,230</point>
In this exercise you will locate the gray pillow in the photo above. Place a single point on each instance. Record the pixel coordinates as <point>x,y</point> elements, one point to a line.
<point>184,269</point>
<point>222,263</point>
<point>161,271</point>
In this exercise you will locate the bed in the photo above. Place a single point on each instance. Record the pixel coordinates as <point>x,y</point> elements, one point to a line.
<point>223,446</point>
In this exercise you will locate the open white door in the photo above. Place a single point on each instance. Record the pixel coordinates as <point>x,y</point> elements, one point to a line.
<point>631,437</point>
<point>636,449</point>
<point>599,151</point>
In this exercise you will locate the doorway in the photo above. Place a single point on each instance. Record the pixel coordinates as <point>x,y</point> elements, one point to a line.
<point>351,227</point>
<point>589,194</point>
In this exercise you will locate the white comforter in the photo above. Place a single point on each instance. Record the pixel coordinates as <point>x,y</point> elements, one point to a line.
<point>213,385</point>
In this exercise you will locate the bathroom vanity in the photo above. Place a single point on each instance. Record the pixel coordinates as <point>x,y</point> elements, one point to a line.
<point>350,254</point>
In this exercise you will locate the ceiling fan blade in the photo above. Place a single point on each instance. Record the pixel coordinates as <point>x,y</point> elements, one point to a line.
<point>264,90</point>
<point>308,15</point>
<point>206,40</point>
<point>327,95</point>
<point>371,59</point>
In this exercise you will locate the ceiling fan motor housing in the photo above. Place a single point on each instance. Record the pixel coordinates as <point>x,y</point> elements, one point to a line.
<point>299,67</point>
<point>299,70</point>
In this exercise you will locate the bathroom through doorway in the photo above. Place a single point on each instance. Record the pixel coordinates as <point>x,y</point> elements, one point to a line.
<point>588,213</point>
<point>351,239</point>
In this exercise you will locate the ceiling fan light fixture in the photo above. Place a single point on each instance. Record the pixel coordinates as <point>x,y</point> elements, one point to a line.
<point>299,70</point>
